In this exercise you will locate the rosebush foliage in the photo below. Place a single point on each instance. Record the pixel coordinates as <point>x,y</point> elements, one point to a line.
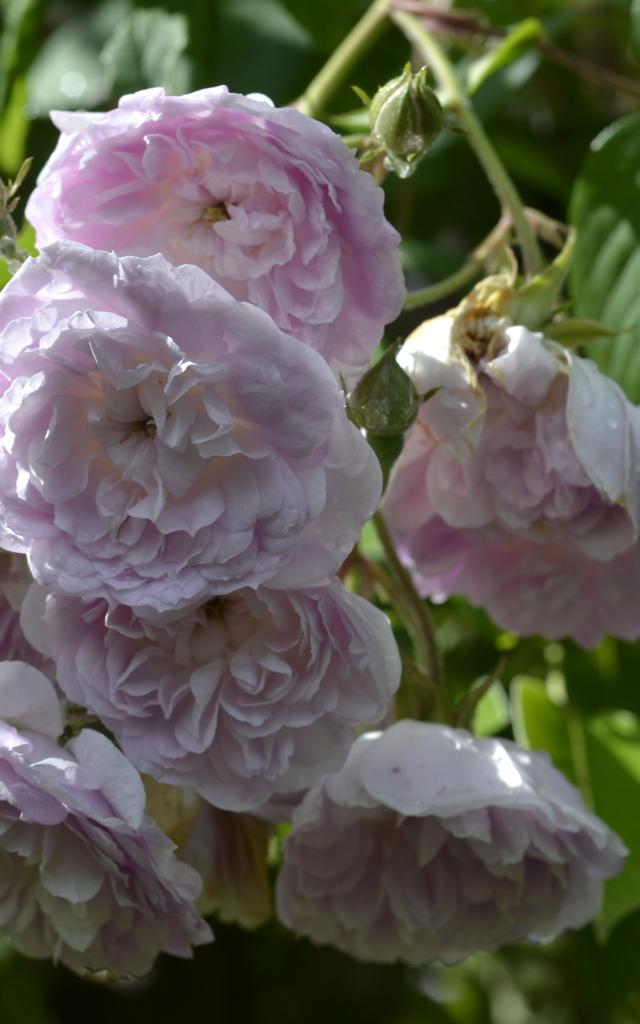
<point>185,542</point>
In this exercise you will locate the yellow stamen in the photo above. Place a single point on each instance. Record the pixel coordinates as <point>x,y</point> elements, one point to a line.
<point>214,214</point>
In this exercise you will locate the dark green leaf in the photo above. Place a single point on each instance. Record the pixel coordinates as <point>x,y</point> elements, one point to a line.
<point>602,756</point>
<point>613,752</point>
<point>605,209</point>
<point>539,724</point>
<point>573,332</point>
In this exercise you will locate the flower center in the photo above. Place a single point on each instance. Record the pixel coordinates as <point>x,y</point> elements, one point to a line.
<point>481,334</point>
<point>146,427</point>
<point>215,213</point>
<point>215,608</point>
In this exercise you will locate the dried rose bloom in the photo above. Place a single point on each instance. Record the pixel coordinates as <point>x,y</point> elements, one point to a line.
<point>519,484</point>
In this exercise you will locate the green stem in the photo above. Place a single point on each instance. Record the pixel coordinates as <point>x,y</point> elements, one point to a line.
<point>420,621</point>
<point>455,98</point>
<point>440,290</point>
<point>474,265</point>
<point>331,76</point>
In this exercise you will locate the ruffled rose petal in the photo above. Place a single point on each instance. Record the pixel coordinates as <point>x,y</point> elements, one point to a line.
<point>161,442</point>
<point>432,845</point>
<point>85,876</point>
<point>268,201</point>
<point>249,697</point>
<point>519,485</point>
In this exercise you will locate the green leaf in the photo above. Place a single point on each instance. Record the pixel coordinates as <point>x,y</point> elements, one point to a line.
<point>147,49</point>
<point>14,127</point>
<point>602,756</point>
<point>27,238</point>
<point>19,31</point>
<point>539,724</point>
<point>492,712</point>
<point>521,39</point>
<point>538,297</point>
<point>574,332</point>
<point>613,752</point>
<point>605,210</point>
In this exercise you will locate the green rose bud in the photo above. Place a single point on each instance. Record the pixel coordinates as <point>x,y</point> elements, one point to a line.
<point>385,401</point>
<point>406,117</point>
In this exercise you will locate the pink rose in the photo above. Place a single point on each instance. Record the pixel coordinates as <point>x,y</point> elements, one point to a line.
<point>268,201</point>
<point>431,845</point>
<point>85,876</point>
<point>519,485</point>
<point>161,442</point>
<point>250,696</point>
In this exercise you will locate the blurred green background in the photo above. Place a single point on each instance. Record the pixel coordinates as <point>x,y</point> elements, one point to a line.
<point>581,706</point>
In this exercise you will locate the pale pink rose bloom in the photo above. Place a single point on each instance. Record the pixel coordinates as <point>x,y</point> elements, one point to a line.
<point>432,845</point>
<point>246,698</point>
<point>268,201</point>
<point>519,486</point>
<point>161,442</point>
<point>85,875</point>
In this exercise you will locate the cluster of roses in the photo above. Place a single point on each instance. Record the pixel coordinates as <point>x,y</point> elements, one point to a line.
<point>178,468</point>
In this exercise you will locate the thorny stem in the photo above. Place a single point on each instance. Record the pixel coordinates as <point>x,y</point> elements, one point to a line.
<point>420,621</point>
<point>455,98</point>
<point>331,76</point>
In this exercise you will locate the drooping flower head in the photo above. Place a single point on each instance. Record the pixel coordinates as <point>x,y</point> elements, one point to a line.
<point>268,201</point>
<point>519,484</point>
<point>85,876</point>
<point>431,845</point>
<point>230,853</point>
<point>161,442</point>
<point>252,695</point>
<point>228,850</point>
